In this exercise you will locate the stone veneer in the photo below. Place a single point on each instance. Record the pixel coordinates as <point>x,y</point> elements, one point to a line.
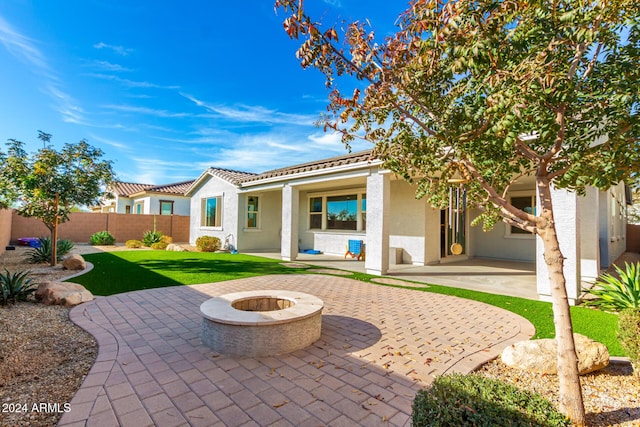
<point>290,321</point>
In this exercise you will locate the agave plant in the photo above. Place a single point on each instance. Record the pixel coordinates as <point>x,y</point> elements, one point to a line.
<point>43,252</point>
<point>616,294</point>
<point>15,286</point>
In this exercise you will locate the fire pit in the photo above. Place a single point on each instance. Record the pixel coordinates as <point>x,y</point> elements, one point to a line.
<point>261,323</point>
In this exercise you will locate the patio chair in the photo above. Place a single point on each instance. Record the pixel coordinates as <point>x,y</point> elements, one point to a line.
<point>355,248</point>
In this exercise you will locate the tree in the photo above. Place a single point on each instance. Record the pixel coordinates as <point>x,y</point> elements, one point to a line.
<point>494,91</point>
<point>48,184</point>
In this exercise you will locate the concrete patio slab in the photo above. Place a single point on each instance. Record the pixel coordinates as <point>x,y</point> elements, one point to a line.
<point>379,345</point>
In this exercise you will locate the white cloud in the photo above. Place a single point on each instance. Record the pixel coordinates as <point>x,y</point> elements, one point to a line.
<point>253,113</point>
<point>132,83</point>
<point>120,50</point>
<point>25,49</point>
<point>108,66</point>
<point>144,111</point>
<point>21,46</point>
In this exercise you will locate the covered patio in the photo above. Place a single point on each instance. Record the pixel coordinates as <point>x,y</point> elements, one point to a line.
<point>500,277</point>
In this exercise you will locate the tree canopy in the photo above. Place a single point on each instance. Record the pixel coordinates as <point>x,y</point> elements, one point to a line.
<point>500,89</point>
<point>48,184</point>
<point>493,90</point>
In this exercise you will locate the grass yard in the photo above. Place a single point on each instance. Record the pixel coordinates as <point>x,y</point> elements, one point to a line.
<point>124,271</point>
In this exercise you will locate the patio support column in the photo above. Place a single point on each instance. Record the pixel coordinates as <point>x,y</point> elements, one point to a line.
<point>378,207</point>
<point>588,210</point>
<point>565,210</point>
<point>290,209</point>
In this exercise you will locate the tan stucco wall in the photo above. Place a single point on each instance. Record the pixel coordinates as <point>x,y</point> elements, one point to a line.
<point>5,228</point>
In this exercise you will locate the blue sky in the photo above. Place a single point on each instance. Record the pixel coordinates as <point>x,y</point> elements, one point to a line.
<point>167,89</point>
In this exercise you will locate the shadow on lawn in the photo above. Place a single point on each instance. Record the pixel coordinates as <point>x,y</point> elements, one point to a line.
<point>115,273</point>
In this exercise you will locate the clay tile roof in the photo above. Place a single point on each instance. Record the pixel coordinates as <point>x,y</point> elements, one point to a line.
<point>347,159</point>
<point>127,189</point>
<point>175,188</point>
<point>232,176</point>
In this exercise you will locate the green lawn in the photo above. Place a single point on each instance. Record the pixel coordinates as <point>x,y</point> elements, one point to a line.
<point>117,272</point>
<point>124,271</point>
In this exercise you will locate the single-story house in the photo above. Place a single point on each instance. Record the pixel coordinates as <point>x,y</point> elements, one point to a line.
<point>134,198</point>
<point>322,205</point>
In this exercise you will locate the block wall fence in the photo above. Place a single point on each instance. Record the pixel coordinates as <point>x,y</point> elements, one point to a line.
<point>82,225</point>
<point>5,228</point>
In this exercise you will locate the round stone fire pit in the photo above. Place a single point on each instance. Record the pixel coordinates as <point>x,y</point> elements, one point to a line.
<point>261,323</point>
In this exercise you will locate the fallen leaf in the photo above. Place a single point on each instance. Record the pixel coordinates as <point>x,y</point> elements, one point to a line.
<point>278,405</point>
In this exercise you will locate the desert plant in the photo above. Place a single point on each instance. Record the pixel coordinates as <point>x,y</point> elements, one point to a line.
<point>43,252</point>
<point>150,237</point>
<point>102,238</point>
<point>208,243</point>
<point>15,286</point>
<point>159,246</point>
<point>473,400</point>
<point>133,244</point>
<point>629,335</point>
<point>617,293</point>
<point>167,239</point>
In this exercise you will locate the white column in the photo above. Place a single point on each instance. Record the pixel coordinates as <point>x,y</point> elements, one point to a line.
<point>378,207</point>
<point>290,209</point>
<point>588,214</point>
<point>565,211</point>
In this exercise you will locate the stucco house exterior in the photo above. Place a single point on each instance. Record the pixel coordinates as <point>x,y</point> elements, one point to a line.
<point>134,198</point>
<point>322,205</point>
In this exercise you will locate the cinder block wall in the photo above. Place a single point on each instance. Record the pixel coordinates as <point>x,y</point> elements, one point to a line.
<point>633,238</point>
<point>5,228</point>
<point>123,227</point>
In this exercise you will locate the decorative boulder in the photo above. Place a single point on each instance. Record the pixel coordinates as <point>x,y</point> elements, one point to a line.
<point>541,355</point>
<point>62,293</point>
<point>175,248</point>
<point>74,262</point>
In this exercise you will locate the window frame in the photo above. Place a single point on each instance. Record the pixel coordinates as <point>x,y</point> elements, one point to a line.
<point>247,212</point>
<point>138,206</point>
<point>218,212</point>
<point>522,234</point>
<point>171,203</point>
<point>360,196</point>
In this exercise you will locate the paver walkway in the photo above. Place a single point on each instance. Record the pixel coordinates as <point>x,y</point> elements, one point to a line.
<point>379,345</point>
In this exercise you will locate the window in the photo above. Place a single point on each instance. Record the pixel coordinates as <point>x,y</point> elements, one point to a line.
<point>212,212</point>
<point>166,207</point>
<point>138,208</point>
<point>527,204</point>
<point>127,209</point>
<point>253,212</point>
<point>315,213</point>
<point>338,212</point>
<point>342,212</point>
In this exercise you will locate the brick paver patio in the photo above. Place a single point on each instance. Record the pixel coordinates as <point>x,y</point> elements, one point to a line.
<point>379,345</point>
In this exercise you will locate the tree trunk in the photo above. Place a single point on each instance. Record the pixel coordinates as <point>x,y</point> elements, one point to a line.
<point>54,235</point>
<point>571,403</point>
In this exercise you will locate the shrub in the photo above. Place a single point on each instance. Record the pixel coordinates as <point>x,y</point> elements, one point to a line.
<point>629,335</point>
<point>15,286</point>
<point>151,237</point>
<point>616,294</point>
<point>208,243</point>
<point>102,238</point>
<point>167,239</point>
<point>133,244</point>
<point>43,253</point>
<point>159,246</point>
<point>473,400</point>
